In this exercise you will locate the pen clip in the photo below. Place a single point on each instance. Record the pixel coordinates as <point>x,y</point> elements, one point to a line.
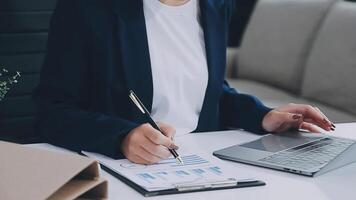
<point>144,110</point>
<point>136,101</point>
<point>198,186</point>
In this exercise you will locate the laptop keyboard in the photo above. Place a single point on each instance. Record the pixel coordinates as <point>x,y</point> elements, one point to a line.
<point>310,155</point>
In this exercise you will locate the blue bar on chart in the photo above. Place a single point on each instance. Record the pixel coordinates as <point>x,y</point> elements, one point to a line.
<point>198,172</point>
<point>147,177</point>
<point>194,168</point>
<point>182,173</point>
<point>162,175</point>
<point>216,170</point>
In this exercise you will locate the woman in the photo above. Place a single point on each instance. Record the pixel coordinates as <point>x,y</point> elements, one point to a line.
<point>171,53</point>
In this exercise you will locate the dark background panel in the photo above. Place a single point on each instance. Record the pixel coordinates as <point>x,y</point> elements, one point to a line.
<point>12,22</point>
<point>25,86</point>
<point>25,63</point>
<point>19,106</point>
<point>19,129</point>
<point>27,5</point>
<point>19,43</point>
<point>23,37</point>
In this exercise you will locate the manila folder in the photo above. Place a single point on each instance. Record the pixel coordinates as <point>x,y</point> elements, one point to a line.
<point>31,173</point>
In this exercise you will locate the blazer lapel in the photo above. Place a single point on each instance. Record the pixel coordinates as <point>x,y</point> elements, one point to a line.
<point>215,43</point>
<point>131,30</point>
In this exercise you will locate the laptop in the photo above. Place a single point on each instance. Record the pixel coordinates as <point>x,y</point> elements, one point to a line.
<point>296,152</point>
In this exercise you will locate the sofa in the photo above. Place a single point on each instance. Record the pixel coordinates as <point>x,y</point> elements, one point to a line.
<point>299,51</point>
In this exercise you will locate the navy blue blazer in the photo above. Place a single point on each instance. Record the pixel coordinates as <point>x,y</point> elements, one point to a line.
<point>98,51</point>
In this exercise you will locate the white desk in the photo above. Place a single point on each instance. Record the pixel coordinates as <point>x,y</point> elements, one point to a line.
<point>338,184</point>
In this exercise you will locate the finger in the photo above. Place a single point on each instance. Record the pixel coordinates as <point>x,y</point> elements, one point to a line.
<point>310,127</point>
<point>323,126</point>
<point>158,138</point>
<point>315,117</point>
<point>168,130</point>
<point>148,157</point>
<point>157,150</point>
<point>326,120</point>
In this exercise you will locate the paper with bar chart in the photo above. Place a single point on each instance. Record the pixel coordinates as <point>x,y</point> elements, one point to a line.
<point>167,174</point>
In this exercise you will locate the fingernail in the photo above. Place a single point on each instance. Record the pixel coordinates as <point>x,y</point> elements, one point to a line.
<point>328,122</point>
<point>296,117</point>
<point>325,121</point>
<point>173,146</point>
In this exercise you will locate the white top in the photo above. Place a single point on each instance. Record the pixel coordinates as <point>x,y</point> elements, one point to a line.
<point>178,61</point>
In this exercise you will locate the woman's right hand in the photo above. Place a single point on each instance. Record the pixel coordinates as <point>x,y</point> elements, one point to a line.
<point>146,145</point>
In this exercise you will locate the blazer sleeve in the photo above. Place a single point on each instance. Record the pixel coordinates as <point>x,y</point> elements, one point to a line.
<point>243,111</point>
<point>62,97</point>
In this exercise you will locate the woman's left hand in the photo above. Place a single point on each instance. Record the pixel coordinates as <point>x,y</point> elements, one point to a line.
<point>296,116</point>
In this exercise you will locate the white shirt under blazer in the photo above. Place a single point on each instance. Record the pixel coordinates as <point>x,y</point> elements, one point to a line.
<point>178,62</point>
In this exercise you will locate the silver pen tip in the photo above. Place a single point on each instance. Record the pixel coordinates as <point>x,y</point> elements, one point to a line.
<point>180,160</point>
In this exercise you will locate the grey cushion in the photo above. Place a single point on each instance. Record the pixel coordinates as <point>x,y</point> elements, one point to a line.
<point>274,97</point>
<point>277,40</point>
<point>260,90</point>
<point>230,62</point>
<point>331,70</point>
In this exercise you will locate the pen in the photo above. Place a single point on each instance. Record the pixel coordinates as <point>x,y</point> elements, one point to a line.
<point>147,114</point>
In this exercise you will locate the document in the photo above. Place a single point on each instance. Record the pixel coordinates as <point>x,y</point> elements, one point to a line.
<point>168,174</point>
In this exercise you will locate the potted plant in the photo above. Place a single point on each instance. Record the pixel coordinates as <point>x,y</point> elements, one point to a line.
<point>5,83</point>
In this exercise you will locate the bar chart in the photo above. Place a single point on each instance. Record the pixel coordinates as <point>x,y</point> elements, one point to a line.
<point>195,168</point>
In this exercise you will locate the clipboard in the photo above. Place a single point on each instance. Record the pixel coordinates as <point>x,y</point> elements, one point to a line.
<point>221,184</point>
<point>182,189</point>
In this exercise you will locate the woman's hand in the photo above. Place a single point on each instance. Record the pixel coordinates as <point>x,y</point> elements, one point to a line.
<point>146,145</point>
<point>296,116</point>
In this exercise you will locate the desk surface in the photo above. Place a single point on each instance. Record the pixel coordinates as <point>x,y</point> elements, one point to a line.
<point>338,184</point>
